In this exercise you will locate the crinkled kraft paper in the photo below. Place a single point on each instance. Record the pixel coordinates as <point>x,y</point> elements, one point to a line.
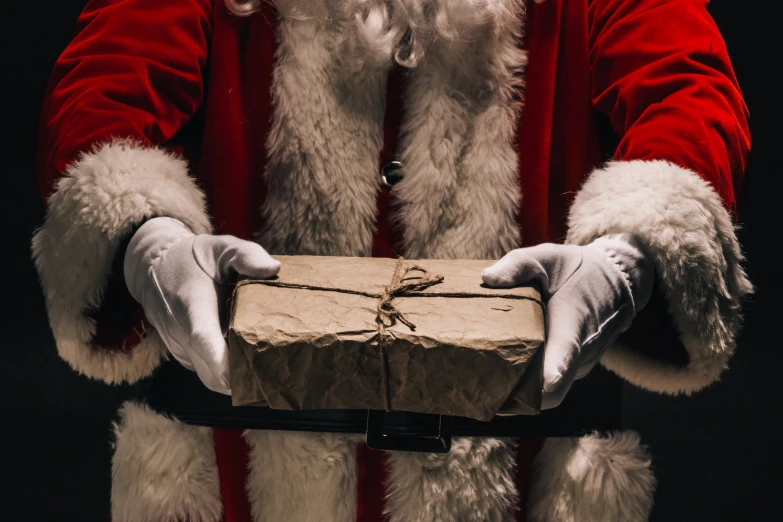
<point>301,349</point>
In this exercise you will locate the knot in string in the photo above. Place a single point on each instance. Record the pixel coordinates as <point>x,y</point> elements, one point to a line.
<point>400,286</point>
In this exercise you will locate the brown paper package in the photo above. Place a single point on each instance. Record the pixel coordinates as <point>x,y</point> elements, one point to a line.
<point>474,351</point>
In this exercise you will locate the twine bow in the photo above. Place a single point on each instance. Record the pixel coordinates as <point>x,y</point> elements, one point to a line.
<point>388,313</point>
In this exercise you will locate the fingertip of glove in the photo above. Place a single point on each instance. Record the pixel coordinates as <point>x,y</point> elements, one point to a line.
<point>274,266</point>
<point>261,266</point>
<point>495,277</point>
<point>270,269</point>
<point>218,386</point>
<point>554,391</point>
<point>552,382</point>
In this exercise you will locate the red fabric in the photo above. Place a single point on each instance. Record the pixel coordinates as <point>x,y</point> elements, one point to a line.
<point>371,493</point>
<point>662,73</point>
<point>133,69</point>
<point>527,451</point>
<point>237,112</point>
<point>557,141</point>
<point>231,453</point>
<point>387,237</point>
<point>657,69</point>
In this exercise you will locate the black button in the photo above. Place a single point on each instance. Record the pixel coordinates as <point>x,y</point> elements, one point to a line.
<point>391,174</point>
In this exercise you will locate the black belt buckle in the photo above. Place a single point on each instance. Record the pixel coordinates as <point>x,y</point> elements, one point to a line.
<point>435,437</point>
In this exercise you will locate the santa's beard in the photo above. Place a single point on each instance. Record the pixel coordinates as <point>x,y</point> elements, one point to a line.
<point>403,30</point>
<point>399,30</point>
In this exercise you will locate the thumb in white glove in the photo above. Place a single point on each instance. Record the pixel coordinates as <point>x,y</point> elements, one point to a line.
<point>592,293</point>
<point>181,279</point>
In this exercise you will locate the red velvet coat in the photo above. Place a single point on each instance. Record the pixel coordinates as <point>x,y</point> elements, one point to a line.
<point>227,96</point>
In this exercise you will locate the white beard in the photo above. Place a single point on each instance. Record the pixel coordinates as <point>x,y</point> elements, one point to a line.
<point>402,30</point>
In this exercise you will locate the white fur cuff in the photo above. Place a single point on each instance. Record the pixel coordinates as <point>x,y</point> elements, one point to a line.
<point>95,204</point>
<point>692,241</point>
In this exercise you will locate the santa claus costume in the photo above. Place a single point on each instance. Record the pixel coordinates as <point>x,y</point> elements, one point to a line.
<point>275,126</point>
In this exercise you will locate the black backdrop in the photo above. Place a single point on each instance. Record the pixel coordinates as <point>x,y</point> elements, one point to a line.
<point>717,454</point>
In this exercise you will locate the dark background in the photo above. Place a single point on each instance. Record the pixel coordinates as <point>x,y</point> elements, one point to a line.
<point>717,454</point>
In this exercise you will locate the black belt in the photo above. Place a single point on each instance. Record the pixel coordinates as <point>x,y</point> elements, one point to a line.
<point>594,403</point>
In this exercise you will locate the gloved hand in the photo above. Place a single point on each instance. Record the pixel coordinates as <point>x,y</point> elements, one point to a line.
<point>592,294</point>
<point>181,280</point>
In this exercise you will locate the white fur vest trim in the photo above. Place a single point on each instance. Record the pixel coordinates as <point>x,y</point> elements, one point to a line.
<point>302,476</point>
<point>163,470</point>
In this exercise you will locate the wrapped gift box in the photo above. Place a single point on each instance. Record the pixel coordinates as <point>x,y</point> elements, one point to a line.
<point>374,333</point>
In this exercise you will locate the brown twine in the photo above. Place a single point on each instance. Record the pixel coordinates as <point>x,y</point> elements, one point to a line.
<point>387,312</point>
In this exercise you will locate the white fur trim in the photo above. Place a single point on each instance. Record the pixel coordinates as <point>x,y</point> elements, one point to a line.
<point>302,476</point>
<point>474,481</point>
<point>460,195</point>
<point>325,138</point>
<point>97,201</point>
<point>693,244</point>
<point>163,469</point>
<point>322,181</point>
<point>592,479</point>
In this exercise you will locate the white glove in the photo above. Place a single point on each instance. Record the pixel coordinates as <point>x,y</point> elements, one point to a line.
<point>181,280</point>
<point>592,293</point>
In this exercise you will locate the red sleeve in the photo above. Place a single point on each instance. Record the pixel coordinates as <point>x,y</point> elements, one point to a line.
<point>662,74</point>
<point>132,70</point>
<point>123,87</point>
